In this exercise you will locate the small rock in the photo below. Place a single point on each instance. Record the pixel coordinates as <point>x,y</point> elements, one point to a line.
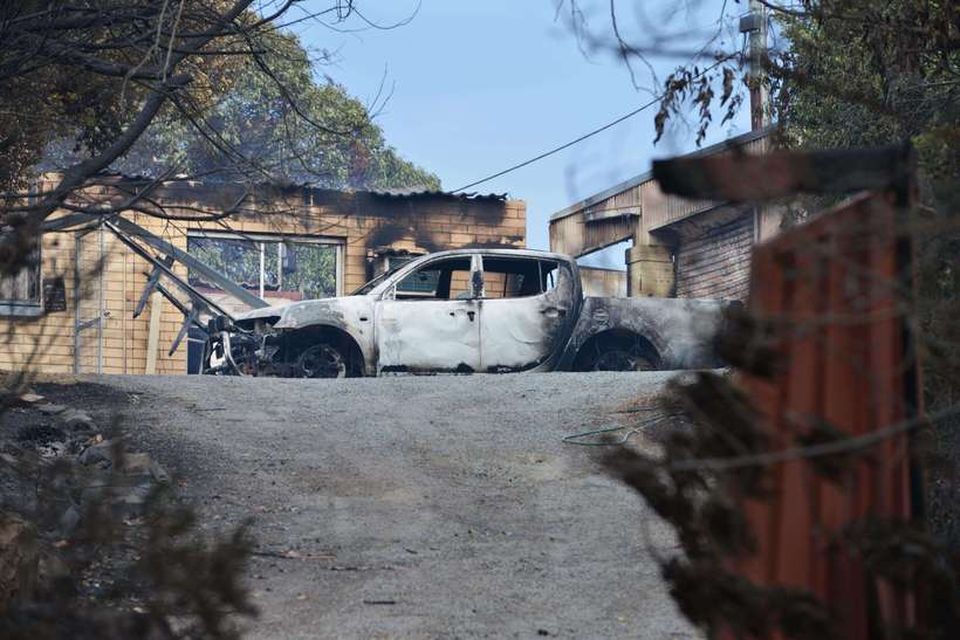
<point>30,398</point>
<point>97,454</point>
<point>77,420</point>
<point>51,409</point>
<point>69,520</point>
<point>159,473</point>
<point>52,449</point>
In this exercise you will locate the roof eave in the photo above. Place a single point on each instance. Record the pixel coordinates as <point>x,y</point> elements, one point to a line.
<point>636,181</point>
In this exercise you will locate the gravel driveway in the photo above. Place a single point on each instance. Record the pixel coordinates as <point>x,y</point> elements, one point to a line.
<point>419,507</point>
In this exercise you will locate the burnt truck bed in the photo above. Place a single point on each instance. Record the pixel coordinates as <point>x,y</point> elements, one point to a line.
<point>664,333</point>
<point>465,311</point>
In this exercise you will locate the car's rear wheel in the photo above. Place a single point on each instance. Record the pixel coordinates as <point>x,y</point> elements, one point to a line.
<point>322,360</point>
<point>622,358</point>
<point>620,351</point>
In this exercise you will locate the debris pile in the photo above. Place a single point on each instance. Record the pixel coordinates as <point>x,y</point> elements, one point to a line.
<point>92,542</point>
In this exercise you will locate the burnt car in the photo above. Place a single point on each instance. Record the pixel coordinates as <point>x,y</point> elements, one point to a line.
<point>465,311</point>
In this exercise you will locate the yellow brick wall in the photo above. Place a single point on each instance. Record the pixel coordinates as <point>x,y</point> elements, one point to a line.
<point>47,343</point>
<point>44,343</point>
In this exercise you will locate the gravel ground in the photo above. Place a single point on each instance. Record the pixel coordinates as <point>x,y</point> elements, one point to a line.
<point>419,507</point>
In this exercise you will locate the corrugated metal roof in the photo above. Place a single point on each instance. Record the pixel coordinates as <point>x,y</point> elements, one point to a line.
<point>403,194</point>
<point>323,192</point>
<point>410,193</point>
<point>319,196</point>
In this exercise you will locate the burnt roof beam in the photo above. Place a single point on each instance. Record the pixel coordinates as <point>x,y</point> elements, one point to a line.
<point>210,274</point>
<point>750,178</point>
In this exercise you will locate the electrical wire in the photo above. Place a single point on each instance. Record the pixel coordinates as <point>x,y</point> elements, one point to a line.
<point>579,439</point>
<point>589,134</point>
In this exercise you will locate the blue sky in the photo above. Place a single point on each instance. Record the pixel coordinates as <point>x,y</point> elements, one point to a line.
<point>479,85</point>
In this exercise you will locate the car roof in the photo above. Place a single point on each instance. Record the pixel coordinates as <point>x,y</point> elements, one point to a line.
<point>466,251</point>
<point>493,251</point>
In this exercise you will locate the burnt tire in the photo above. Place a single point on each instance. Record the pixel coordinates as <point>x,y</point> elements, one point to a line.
<point>322,360</point>
<point>617,353</point>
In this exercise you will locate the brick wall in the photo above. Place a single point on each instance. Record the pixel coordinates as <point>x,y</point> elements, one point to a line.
<point>362,223</point>
<point>712,258</point>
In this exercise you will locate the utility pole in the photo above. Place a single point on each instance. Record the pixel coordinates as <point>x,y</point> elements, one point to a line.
<point>754,23</point>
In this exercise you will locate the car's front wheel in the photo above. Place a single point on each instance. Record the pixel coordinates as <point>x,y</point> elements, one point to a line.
<point>322,360</point>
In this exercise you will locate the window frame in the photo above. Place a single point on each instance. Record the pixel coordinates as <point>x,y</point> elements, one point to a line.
<point>445,279</point>
<point>27,307</point>
<point>388,288</point>
<point>279,238</point>
<point>541,283</point>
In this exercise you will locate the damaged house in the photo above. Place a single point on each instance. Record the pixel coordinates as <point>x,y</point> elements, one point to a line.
<point>678,247</point>
<point>95,301</point>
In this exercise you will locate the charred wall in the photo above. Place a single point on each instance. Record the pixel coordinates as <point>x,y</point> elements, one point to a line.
<point>712,254</point>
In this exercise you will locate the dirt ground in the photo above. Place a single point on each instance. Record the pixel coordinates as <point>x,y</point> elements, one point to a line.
<point>416,507</point>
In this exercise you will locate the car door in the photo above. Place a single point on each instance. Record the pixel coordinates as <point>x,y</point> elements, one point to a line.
<point>525,314</point>
<point>428,321</point>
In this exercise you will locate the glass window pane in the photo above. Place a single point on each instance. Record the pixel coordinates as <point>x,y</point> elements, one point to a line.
<point>293,270</point>
<point>308,271</point>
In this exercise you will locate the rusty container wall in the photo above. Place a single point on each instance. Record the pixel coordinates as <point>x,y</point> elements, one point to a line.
<point>832,290</point>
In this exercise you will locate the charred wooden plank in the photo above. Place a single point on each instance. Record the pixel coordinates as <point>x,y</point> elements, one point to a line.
<point>738,177</point>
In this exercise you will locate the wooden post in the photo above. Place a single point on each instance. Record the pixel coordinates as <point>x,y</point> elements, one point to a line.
<point>153,334</point>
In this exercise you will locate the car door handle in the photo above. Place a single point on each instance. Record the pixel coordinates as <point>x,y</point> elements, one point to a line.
<point>470,314</point>
<point>554,312</point>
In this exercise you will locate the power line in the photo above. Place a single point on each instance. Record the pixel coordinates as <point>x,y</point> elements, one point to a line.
<point>580,139</point>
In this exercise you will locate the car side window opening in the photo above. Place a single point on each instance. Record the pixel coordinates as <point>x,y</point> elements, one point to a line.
<point>518,277</point>
<point>549,272</point>
<point>442,280</point>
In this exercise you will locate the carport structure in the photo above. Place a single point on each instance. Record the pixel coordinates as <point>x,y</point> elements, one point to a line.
<point>680,248</point>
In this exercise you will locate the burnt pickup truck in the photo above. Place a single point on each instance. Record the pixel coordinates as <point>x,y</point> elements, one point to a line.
<point>465,311</point>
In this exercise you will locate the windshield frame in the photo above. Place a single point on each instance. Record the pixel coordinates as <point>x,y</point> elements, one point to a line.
<point>377,284</point>
<point>368,287</point>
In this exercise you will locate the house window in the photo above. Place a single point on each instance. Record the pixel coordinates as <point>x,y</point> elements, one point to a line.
<point>279,269</point>
<point>20,292</point>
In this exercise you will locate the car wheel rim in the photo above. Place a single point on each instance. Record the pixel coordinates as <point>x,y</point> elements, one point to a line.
<point>621,360</point>
<point>322,361</point>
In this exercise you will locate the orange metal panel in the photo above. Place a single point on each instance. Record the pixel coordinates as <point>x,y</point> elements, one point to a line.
<point>834,289</point>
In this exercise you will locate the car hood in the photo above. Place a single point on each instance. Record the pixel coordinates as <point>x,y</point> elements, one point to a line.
<point>333,311</point>
<point>277,311</point>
